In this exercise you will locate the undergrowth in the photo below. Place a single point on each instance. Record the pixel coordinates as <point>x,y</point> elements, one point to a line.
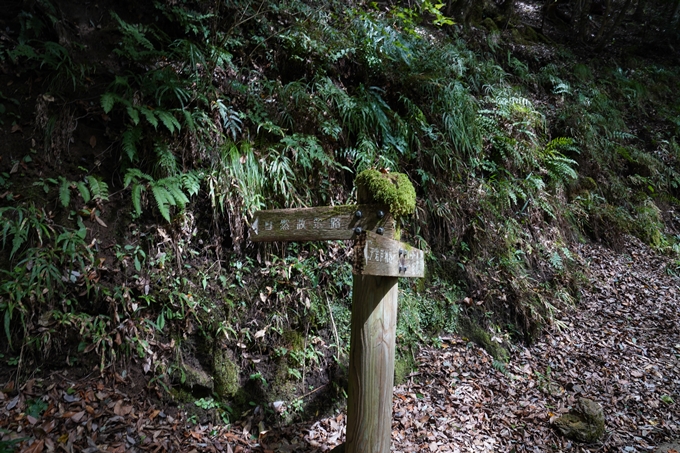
<point>215,112</point>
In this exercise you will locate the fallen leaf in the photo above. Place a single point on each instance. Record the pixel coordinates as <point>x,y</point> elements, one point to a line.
<point>260,333</point>
<point>93,141</point>
<point>36,447</point>
<point>100,221</point>
<point>77,416</point>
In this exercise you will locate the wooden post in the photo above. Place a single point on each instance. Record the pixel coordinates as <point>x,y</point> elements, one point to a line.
<point>379,261</point>
<point>371,364</point>
<point>371,359</point>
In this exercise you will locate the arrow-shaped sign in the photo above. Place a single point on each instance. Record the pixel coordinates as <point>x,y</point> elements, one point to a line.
<point>320,224</point>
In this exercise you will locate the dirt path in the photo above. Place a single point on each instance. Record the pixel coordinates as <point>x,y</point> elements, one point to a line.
<point>621,348</point>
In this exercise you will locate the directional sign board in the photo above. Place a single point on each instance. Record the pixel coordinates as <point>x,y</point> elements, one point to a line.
<point>386,257</point>
<point>321,223</point>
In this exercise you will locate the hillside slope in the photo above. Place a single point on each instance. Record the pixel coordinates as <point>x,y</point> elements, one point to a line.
<point>138,140</point>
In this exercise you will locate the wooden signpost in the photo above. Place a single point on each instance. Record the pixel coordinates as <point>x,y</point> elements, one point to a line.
<point>378,262</point>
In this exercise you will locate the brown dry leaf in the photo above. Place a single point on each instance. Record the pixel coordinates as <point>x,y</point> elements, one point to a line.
<point>16,128</point>
<point>35,447</point>
<point>77,416</point>
<point>100,221</point>
<point>260,333</point>
<point>93,141</point>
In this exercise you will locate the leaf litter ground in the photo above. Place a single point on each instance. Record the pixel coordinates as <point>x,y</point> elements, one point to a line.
<point>620,347</point>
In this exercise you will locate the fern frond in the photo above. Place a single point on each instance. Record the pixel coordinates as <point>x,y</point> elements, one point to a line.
<point>150,116</point>
<point>137,198</point>
<point>163,200</point>
<point>84,191</point>
<point>168,120</point>
<point>191,182</point>
<point>133,175</point>
<point>98,188</point>
<point>129,142</point>
<point>166,162</point>
<point>107,101</point>
<point>133,113</point>
<point>64,191</point>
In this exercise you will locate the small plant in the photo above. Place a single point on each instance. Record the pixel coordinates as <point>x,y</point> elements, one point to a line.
<point>259,378</point>
<point>207,403</point>
<point>667,399</point>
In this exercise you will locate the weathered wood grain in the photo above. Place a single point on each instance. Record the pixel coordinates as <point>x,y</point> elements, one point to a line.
<point>371,362</point>
<point>371,366</point>
<point>319,224</point>
<point>383,256</point>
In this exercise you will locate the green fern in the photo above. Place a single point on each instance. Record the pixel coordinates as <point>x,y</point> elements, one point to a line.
<point>166,163</point>
<point>137,190</point>
<point>98,189</point>
<point>168,120</point>
<point>64,191</point>
<point>191,182</point>
<point>167,192</point>
<point>107,102</point>
<point>84,191</point>
<point>558,166</point>
<point>129,142</point>
<point>135,44</point>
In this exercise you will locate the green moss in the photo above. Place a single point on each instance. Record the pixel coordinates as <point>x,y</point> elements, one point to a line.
<point>181,395</point>
<point>482,338</point>
<point>197,378</point>
<point>294,340</point>
<point>402,369</point>
<point>226,375</point>
<point>489,24</point>
<point>392,189</point>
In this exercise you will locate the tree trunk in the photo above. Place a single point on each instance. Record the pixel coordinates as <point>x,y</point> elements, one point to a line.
<point>602,37</point>
<point>583,19</point>
<point>640,11</point>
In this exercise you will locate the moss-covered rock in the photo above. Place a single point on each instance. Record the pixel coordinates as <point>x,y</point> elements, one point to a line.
<point>482,338</point>
<point>392,189</point>
<point>196,379</point>
<point>584,423</point>
<point>489,24</point>
<point>225,374</point>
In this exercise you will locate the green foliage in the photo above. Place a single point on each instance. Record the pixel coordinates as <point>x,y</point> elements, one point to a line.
<point>280,105</point>
<point>236,178</point>
<point>167,192</point>
<point>23,225</point>
<point>558,166</point>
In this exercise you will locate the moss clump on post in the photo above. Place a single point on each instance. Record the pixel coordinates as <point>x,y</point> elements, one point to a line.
<point>392,189</point>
